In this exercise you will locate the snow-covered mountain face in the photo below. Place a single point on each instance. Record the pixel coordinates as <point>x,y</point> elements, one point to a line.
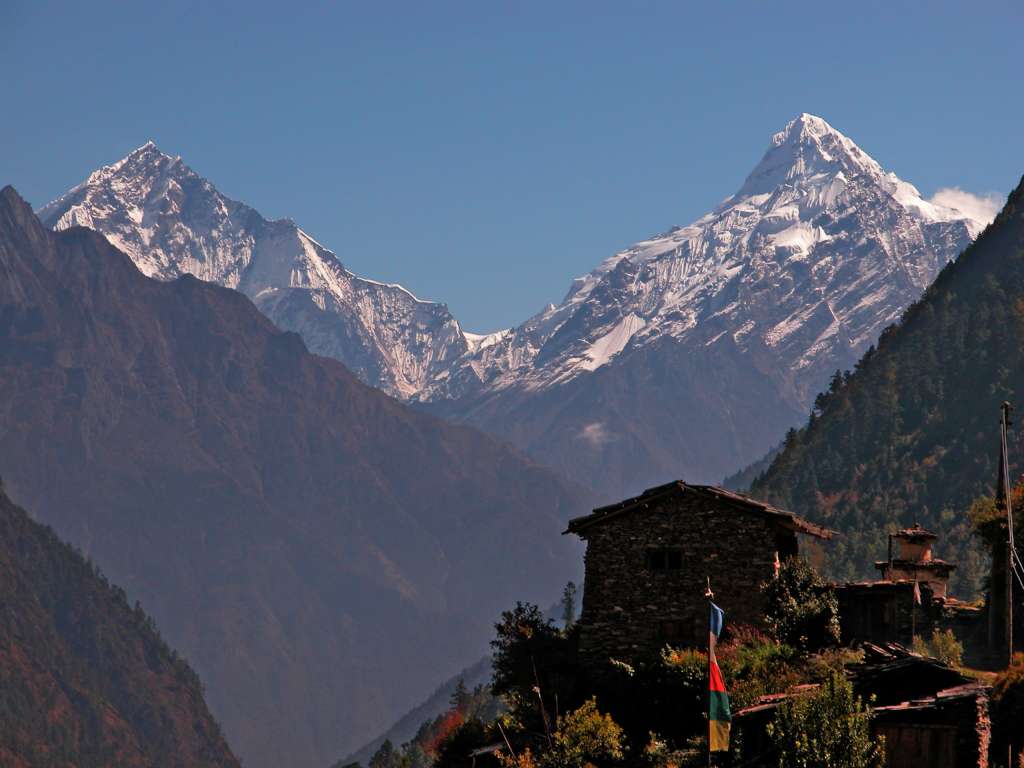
<point>171,221</point>
<point>817,252</point>
<point>686,355</point>
<point>689,354</point>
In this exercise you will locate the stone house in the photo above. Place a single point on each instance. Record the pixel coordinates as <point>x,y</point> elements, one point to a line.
<point>648,560</point>
<point>930,715</point>
<point>890,610</point>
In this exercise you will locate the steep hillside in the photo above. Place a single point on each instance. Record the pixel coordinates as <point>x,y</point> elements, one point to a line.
<point>912,433</point>
<point>85,680</point>
<point>322,554</point>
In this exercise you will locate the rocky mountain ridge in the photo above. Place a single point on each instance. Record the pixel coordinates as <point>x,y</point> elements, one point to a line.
<point>321,553</point>
<point>815,254</point>
<point>172,222</point>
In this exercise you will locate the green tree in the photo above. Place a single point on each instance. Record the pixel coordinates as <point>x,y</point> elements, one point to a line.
<point>802,610</point>
<point>454,751</point>
<point>831,727</point>
<point>414,756</point>
<point>460,698</point>
<point>569,605</point>
<point>386,756</point>
<point>531,663</point>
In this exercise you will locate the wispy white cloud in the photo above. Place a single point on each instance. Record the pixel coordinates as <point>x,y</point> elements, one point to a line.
<point>981,208</point>
<point>596,434</point>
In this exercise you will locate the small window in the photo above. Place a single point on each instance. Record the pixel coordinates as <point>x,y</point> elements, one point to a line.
<point>656,559</point>
<point>673,632</point>
<point>664,559</point>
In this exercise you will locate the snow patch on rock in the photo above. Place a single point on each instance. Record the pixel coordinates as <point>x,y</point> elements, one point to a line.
<point>605,348</point>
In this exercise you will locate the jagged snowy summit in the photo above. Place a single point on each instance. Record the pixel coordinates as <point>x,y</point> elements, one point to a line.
<point>171,221</point>
<point>818,250</point>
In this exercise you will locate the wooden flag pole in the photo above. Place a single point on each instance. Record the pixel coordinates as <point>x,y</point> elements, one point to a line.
<point>915,600</point>
<point>913,615</point>
<point>709,595</point>
<point>1010,548</point>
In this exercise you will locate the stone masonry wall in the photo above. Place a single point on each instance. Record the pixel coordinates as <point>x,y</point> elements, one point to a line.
<point>630,610</point>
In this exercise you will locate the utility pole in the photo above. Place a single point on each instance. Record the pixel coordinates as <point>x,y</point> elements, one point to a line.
<point>1011,549</point>
<point>888,575</point>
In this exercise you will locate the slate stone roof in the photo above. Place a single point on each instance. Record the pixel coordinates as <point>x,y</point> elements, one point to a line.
<point>915,533</point>
<point>729,498</point>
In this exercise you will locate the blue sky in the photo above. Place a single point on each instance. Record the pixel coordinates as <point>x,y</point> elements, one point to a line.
<point>483,154</point>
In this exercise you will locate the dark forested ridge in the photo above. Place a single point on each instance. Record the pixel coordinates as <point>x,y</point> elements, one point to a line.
<point>323,555</point>
<point>86,680</point>
<point>912,433</point>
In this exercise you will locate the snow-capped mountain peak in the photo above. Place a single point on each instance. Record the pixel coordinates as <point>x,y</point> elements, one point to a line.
<point>785,281</point>
<point>172,221</point>
<point>807,149</point>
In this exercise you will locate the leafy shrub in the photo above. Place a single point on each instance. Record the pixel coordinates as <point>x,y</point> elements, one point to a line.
<point>524,759</point>
<point>830,661</point>
<point>802,610</point>
<point>754,665</point>
<point>830,727</point>
<point>586,736</point>
<point>686,670</point>
<point>942,646</point>
<point>656,752</point>
<point>659,754</point>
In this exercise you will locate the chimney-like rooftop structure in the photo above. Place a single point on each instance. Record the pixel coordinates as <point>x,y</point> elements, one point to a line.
<point>914,560</point>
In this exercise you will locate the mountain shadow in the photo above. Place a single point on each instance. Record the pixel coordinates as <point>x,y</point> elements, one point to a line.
<point>323,555</point>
